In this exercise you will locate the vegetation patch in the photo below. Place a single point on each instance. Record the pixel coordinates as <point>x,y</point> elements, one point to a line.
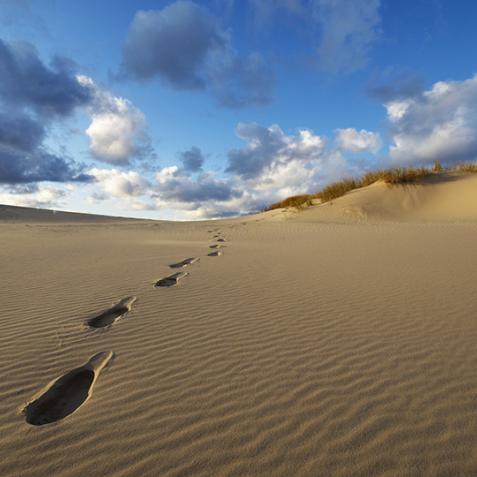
<point>403,175</point>
<point>297,201</point>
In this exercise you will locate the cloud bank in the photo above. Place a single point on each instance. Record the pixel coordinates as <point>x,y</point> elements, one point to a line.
<point>439,123</point>
<point>35,98</point>
<point>269,166</point>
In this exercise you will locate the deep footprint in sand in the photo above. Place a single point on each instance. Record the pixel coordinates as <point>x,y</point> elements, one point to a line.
<point>66,394</point>
<point>221,240</point>
<point>171,280</point>
<point>216,245</point>
<point>217,253</point>
<point>112,314</point>
<point>184,263</point>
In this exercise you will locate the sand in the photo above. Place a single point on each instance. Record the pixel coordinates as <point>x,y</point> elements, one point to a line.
<point>338,341</point>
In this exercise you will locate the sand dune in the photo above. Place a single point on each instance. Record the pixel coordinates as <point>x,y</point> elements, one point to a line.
<point>10,213</point>
<point>445,197</point>
<point>336,341</point>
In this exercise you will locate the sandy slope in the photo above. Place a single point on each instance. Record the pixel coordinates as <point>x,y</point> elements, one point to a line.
<point>310,347</point>
<point>446,197</point>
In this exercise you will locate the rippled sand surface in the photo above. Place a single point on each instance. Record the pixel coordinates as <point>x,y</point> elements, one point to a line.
<point>304,348</point>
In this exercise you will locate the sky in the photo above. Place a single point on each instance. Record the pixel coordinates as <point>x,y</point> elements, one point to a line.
<point>189,110</point>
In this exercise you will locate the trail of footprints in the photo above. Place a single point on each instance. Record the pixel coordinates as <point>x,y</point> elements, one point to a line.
<point>67,393</point>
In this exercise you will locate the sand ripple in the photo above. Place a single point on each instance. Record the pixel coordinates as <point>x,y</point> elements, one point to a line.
<point>304,350</point>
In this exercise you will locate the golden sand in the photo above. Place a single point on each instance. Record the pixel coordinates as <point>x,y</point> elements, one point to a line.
<point>338,341</point>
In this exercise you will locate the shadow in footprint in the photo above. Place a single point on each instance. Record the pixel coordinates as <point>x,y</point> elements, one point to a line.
<point>112,314</point>
<point>66,394</point>
<point>217,253</point>
<point>216,245</point>
<point>171,280</point>
<point>221,240</point>
<point>184,263</point>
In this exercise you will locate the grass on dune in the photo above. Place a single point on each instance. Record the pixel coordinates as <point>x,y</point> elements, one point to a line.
<point>389,176</point>
<point>298,201</point>
<point>467,167</point>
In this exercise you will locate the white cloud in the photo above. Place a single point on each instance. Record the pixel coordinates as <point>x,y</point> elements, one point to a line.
<point>397,109</point>
<point>439,124</point>
<point>351,139</point>
<point>129,186</point>
<point>270,148</point>
<point>42,196</point>
<point>120,183</point>
<point>118,130</point>
<point>269,167</point>
<point>274,165</point>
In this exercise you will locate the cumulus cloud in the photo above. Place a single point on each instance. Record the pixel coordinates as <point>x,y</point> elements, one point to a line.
<point>128,186</point>
<point>17,167</point>
<point>185,46</point>
<point>271,165</point>
<point>34,196</point>
<point>23,158</point>
<point>26,81</point>
<point>35,96</point>
<point>118,130</point>
<point>177,185</point>
<point>439,124</point>
<point>350,139</point>
<point>269,148</point>
<point>121,183</point>
<point>32,95</point>
<point>173,43</point>
<point>192,159</point>
<point>18,131</point>
<point>172,187</point>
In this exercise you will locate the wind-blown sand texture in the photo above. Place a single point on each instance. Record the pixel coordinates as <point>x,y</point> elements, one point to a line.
<point>337,341</point>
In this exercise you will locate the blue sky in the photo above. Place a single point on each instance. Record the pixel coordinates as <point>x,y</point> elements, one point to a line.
<point>189,110</point>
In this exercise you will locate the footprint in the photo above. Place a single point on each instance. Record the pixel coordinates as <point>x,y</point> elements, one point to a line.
<point>113,314</point>
<point>221,240</point>
<point>216,245</point>
<point>171,279</point>
<point>217,253</point>
<point>184,263</point>
<point>66,394</point>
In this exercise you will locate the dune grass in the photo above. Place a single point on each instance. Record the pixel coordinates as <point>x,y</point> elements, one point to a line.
<point>297,201</point>
<point>467,167</point>
<point>404,175</point>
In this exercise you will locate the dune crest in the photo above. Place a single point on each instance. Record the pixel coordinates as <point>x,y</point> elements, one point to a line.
<point>448,197</point>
